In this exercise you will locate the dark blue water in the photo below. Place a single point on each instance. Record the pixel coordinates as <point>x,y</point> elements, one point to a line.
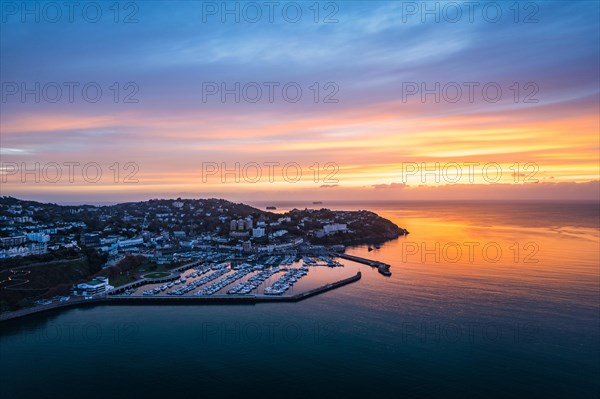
<point>518,325</point>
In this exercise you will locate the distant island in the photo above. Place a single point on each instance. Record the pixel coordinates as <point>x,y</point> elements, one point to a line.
<point>47,248</point>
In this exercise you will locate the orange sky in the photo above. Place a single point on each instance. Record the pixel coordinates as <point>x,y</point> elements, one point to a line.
<point>375,141</point>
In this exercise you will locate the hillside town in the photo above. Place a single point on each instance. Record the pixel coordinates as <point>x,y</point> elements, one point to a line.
<point>164,231</point>
<point>49,252</point>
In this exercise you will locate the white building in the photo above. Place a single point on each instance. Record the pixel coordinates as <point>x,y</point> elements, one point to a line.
<point>96,286</point>
<point>25,250</point>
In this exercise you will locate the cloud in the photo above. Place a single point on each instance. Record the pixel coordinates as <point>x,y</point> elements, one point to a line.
<point>368,133</point>
<point>392,186</point>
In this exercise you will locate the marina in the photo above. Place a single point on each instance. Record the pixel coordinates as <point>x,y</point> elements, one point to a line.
<point>170,300</point>
<point>276,278</point>
<point>247,278</point>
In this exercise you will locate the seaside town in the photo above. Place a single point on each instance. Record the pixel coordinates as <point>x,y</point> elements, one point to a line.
<point>170,247</point>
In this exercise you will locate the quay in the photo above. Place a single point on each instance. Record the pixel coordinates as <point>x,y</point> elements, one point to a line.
<point>170,300</point>
<point>383,268</point>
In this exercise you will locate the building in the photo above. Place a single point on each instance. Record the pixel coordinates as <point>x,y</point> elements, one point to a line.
<point>239,234</point>
<point>258,232</point>
<point>247,246</point>
<point>91,239</point>
<point>334,228</point>
<point>187,243</point>
<point>240,224</point>
<point>25,250</point>
<point>38,237</point>
<point>109,240</point>
<point>99,285</point>
<point>279,233</point>
<point>12,241</point>
<point>130,243</point>
<point>23,219</point>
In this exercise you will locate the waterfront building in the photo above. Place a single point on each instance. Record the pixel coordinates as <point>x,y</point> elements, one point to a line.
<point>96,286</point>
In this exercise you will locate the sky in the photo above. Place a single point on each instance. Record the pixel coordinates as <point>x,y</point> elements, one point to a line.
<point>361,100</point>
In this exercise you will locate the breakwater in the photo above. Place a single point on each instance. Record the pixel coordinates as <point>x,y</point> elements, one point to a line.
<point>383,268</point>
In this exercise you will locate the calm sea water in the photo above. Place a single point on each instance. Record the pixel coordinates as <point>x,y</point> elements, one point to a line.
<point>485,300</point>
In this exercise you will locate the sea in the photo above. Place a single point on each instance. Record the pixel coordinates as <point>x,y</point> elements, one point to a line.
<point>486,299</point>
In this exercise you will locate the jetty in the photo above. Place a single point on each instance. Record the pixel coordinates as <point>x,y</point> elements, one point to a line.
<point>383,268</point>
